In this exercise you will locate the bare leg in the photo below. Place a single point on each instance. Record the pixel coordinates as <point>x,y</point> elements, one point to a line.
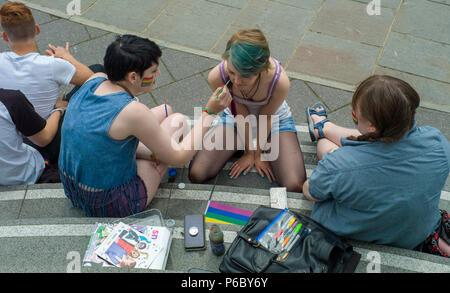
<point>289,168</point>
<point>208,163</point>
<point>151,172</point>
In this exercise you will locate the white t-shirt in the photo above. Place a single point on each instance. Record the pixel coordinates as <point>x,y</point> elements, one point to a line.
<point>19,163</point>
<point>37,76</point>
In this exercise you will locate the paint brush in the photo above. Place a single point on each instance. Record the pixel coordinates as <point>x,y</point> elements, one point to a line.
<point>222,89</point>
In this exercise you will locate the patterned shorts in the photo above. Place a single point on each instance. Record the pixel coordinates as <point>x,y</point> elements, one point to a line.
<point>118,202</point>
<point>443,232</point>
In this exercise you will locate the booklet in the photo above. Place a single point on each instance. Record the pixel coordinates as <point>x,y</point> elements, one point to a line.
<point>127,247</point>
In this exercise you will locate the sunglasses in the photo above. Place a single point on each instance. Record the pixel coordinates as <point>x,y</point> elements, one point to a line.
<point>355,120</point>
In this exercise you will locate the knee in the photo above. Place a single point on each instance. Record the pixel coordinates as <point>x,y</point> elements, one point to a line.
<point>197,175</point>
<point>293,185</point>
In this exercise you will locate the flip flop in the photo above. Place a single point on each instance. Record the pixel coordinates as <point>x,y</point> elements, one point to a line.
<point>318,125</point>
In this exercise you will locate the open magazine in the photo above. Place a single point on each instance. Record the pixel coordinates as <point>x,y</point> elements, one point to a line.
<point>123,245</point>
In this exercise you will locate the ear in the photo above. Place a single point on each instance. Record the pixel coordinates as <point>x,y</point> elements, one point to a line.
<point>5,37</point>
<point>371,128</point>
<point>38,29</point>
<point>132,77</point>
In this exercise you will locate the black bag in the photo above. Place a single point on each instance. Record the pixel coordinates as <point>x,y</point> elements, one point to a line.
<point>320,251</point>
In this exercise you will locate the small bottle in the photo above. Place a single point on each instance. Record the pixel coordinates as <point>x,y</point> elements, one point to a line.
<point>172,174</point>
<point>216,240</point>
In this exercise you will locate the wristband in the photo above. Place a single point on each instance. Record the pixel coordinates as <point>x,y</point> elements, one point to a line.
<point>206,110</point>
<point>62,110</point>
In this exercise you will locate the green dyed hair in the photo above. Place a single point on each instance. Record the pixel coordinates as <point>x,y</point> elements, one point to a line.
<point>248,51</point>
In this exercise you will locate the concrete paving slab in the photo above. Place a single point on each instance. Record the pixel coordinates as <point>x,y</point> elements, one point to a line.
<point>384,3</point>
<point>417,56</point>
<point>434,21</point>
<point>232,3</point>
<point>184,95</point>
<point>272,18</point>
<point>434,94</point>
<point>92,52</point>
<point>305,4</point>
<point>192,64</point>
<point>183,22</point>
<point>332,58</point>
<point>135,17</point>
<point>59,32</point>
<point>333,98</point>
<point>300,96</point>
<point>281,49</point>
<point>349,20</point>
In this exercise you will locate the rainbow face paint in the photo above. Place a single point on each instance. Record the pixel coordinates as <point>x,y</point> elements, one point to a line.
<point>147,81</point>
<point>355,120</point>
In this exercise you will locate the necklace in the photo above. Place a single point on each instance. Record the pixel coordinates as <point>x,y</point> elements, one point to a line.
<point>254,89</point>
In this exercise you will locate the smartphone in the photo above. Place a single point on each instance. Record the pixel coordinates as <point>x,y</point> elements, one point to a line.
<point>194,232</point>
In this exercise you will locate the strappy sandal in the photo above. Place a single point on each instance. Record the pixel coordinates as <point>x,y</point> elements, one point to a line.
<point>319,125</point>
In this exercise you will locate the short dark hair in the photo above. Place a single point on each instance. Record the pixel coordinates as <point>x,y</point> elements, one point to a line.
<point>17,21</point>
<point>389,104</point>
<point>129,53</point>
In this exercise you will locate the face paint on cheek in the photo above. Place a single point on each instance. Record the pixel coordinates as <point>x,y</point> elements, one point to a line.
<point>147,82</point>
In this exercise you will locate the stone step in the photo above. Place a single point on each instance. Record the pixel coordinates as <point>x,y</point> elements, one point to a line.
<point>53,245</point>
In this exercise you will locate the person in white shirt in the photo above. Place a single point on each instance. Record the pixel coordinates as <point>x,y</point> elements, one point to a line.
<point>37,76</point>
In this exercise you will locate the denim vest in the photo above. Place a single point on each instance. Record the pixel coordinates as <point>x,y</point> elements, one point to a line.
<point>88,154</point>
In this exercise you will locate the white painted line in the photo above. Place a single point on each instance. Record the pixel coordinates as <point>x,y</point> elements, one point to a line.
<point>12,195</point>
<point>46,230</point>
<point>45,193</point>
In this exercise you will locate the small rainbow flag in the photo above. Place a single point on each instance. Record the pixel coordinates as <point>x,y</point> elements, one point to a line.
<point>223,214</point>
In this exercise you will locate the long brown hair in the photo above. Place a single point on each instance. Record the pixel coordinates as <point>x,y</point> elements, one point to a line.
<point>389,104</point>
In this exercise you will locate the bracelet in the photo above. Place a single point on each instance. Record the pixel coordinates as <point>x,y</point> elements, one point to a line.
<point>206,110</point>
<point>62,110</point>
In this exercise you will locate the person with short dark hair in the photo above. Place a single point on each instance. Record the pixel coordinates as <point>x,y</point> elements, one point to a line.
<point>382,181</point>
<point>115,150</point>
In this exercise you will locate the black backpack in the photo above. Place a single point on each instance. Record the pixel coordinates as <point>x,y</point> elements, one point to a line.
<point>320,251</point>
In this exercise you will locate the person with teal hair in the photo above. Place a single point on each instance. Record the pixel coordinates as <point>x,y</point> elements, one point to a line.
<point>259,86</point>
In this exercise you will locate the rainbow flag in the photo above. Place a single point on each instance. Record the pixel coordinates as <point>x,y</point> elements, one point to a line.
<point>223,214</point>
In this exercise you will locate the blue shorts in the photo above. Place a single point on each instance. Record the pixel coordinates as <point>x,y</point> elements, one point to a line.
<point>284,125</point>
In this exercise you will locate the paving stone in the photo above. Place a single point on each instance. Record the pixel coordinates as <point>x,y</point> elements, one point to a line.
<point>275,19</point>
<point>332,58</point>
<point>62,6</point>
<point>9,209</point>
<point>280,49</point>
<point>300,96</point>
<point>348,20</point>
<point>121,14</point>
<point>434,21</point>
<point>232,3</point>
<point>42,17</point>
<point>384,3</point>
<point>432,93</point>
<point>434,118</point>
<point>59,32</point>
<point>417,56</point>
<point>333,98</point>
<point>185,95</point>
<point>184,23</point>
<point>49,208</point>
<point>192,64</point>
<point>92,52</point>
<point>305,4</point>
<point>95,32</point>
